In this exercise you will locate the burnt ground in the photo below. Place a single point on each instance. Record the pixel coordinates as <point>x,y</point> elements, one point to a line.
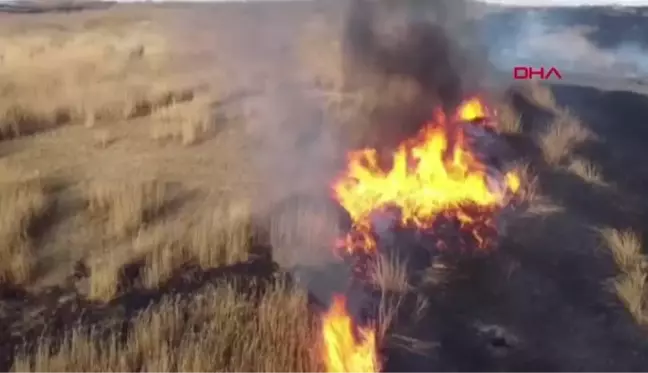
<point>553,303</point>
<point>29,7</point>
<point>611,27</point>
<point>538,303</point>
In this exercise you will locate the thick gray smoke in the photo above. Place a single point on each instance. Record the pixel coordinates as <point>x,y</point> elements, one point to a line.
<point>553,38</point>
<point>432,43</point>
<point>429,41</point>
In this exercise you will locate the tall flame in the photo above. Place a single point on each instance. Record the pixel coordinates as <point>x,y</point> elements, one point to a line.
<point>428,177</point>
<point>343,352</point>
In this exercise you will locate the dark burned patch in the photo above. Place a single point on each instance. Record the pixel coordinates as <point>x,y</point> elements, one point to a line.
<point>21,121</point>
<point>52,211</point>
<point>144,107</point>
<point>498,339</point>
<point>611,26</point>
<point>535,307</point>
<point>543,285</point>
<point>61,7</point>
<point>534,118</point>
<point>538,302</point>
<point>618,119</point>
<point>612,207</point>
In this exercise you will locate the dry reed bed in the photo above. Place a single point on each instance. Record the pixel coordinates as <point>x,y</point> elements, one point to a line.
<point>630,285</point>
<point>559,146</point>
<point>217,330</point>
<point>134,215</point>
<point>92,74</point>
<point>24,204</point>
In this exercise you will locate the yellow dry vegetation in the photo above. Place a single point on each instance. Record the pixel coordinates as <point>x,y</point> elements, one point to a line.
<point>630,285</point>
<point>216,330</point>
<point>92,109</point>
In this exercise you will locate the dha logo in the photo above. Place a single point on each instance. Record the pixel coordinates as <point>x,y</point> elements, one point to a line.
<point>529,72</point>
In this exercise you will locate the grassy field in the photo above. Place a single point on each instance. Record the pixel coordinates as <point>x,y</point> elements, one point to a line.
<point>144,223</point>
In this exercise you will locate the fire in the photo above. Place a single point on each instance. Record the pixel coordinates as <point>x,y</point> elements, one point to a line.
<point>428,177</point>
<point>471,109</point>
<point>434,177</point>
<point>343,352</point>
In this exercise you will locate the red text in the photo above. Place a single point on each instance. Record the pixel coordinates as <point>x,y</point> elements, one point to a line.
<point>530,72</point>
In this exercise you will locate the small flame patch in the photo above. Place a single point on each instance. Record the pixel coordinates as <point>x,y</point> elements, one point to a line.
<point>343,351</point>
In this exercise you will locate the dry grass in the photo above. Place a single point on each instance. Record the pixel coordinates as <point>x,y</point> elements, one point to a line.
<point>630,284</point>
<point>304,232</point>
<point>23,202</point>
<point>586,170</point>
<point>223,237</point>
<point>508,120</point>
<point>218,330</point>
<point>213,240</point>
<point>219,239</point>
<point>390,274</point>
<point>528,190</point>
<point>105,274</point>
<point>392,315</point>
<point>103,138</point>
<point>98,75</point>
<point>122,209</point>
<point>86,74</point>
<point>562,137</point>
<point>540,95</point>
<point>626,248</point>
<point>127,206</point>
<point>543,207</point>
<point>630,287</point>
<point>104,72</point>
<point>186,122</point>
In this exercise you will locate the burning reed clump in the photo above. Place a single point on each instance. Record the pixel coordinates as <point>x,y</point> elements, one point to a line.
<point>440,191</point>
<point>427,178</point>
<point>431,182</point>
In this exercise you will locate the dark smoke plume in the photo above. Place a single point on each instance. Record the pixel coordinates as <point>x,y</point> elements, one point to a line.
<point>429,42</point>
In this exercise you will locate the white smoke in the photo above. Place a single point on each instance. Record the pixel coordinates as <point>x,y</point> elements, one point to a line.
<point>539,40</point>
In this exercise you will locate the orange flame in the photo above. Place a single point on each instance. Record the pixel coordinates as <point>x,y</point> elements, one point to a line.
<point>342,351</point>
<point>423,182</point>
<point>472,109</point>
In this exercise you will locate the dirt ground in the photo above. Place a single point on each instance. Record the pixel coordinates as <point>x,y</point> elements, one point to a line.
<point>164,203</point>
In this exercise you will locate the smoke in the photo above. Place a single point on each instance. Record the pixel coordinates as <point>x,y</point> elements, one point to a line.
<point>559,38</point>
<point>297,153</point>
<point>430,42</point>
<point>289,148</point>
